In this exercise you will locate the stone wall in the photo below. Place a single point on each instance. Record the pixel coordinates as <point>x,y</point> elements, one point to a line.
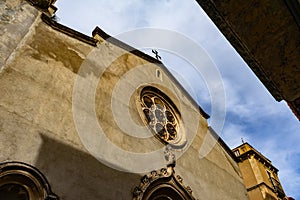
<point>41,109</point>
<point>15,20</point>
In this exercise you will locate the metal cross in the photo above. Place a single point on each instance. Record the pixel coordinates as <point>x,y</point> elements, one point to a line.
<point>156,54</point>
<point>243,141</point>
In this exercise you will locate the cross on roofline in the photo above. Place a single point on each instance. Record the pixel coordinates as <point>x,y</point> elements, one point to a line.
<point>156,54</point>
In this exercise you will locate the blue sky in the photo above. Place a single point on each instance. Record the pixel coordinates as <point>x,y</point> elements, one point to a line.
<point>251,112</point>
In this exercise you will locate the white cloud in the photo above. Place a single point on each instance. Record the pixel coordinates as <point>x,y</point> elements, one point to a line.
<point>282,147</point>
<point>234,134</point>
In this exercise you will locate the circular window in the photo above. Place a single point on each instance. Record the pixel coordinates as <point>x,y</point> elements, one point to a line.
<point>161,115</point>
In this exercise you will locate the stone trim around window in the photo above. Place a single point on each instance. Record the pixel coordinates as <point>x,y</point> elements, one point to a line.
<point>162,116</point>
<point>22,181</point>
<point>162,184</point>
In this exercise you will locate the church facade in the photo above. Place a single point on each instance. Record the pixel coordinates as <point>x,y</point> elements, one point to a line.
<point>93,118</point>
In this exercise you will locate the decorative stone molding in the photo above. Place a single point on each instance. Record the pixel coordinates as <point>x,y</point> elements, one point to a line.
<point>162,183</point>
<point>46,6</point>
<point>22,181</point>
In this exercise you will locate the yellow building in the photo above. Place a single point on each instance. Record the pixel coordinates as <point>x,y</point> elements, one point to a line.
<point>260,176</point>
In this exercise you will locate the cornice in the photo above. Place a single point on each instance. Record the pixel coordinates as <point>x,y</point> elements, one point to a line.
<point>258,157</point>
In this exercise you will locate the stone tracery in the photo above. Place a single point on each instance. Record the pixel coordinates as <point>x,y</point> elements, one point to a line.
<point>160,116</point>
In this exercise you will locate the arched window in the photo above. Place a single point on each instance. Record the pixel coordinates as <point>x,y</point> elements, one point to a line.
<point>20,181</point>
<point>162,185</point>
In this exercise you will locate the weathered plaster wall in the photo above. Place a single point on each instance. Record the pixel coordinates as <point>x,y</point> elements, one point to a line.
<point>16,17</point>
<point>37,124</point>
<point>215,176</point>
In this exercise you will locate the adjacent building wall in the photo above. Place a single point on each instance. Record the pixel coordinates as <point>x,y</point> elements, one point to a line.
<point>260,176</point>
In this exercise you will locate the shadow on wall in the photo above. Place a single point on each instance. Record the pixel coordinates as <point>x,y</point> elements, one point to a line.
<point>74,174</point>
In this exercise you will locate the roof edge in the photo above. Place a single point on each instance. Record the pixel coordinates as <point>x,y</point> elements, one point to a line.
<point>209,7</point>
<point>253,151</point>
<point>93,42</point>
<point>223,144</point>
<point>119,43</point>
<point>294,7</point>
<point>261,159</point>
<point>105,36</point>
<point>68,31</point>
<point>45,6</point>
<point>295,107</point>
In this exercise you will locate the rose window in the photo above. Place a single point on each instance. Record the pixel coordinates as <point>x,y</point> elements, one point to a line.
<point>160,115</point>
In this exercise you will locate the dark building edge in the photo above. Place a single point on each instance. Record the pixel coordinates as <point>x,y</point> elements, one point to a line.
<point>294,7</point>
<point>45,6</point>
<point>295,107</point>
<point>68,31</point>
<point>93,42</point>
<point>209,7</point>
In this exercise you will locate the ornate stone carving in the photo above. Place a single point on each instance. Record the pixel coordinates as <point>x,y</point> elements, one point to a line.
<point>161,115</point>
<point>46,6</point>
<point>162,183</point>
<point>170,156</point>
<point>22,181</point>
